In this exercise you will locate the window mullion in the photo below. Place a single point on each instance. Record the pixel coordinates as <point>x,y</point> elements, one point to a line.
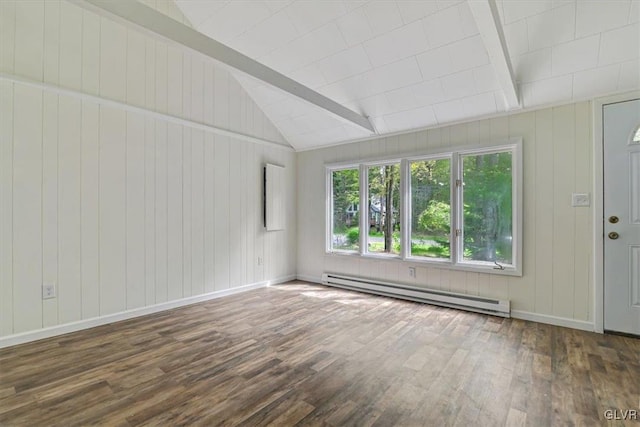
<point>405,209</point>
<point>457,210</point>
<point>329,213</point>
<point>364,209</point>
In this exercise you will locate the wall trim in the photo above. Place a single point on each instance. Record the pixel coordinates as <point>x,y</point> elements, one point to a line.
<point>25,337</point>
<point>59,90</point>
<point>311,279</point>
<point>553,320</point>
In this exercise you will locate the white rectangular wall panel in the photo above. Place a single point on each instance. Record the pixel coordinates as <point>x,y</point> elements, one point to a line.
<point>274,197</point>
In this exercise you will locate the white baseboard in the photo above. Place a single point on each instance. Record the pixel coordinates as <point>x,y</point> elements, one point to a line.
<point>553,320</point>
<point>311,279</point>
<point>516,314</point>
<point>53,331</point>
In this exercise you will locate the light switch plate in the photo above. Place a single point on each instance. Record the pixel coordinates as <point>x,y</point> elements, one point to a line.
<point>580,200</point>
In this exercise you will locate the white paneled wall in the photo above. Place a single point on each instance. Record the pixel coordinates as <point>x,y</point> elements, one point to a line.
<point>124,209</point>
<point>557,271</point>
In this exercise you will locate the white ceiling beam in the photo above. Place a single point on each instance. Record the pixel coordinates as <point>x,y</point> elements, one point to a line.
<point>151,20</point>
<point>486,15</point>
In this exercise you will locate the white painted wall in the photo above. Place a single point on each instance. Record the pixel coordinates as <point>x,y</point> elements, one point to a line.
<point>557,262</point>
<point>124,210</point>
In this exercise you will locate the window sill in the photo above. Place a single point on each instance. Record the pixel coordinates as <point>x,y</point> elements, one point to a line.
<point>443,264</point>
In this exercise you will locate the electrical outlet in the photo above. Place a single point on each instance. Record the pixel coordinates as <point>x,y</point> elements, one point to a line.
<point>259,260</point>
<point>580,199</point>
<point>48,290</point>
<point>412,272</point>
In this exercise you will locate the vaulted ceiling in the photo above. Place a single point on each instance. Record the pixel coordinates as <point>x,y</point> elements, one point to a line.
<point>411,64</point>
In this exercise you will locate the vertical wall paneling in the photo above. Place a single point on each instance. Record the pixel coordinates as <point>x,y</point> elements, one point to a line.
<point>136,73</point>
<point>135,205</point>
<point>175,225</point>
<point>543,213</point>
<point>197,90</point>
<point>70,45</point>
<point>251,200</point>
<point>7,35</point>
<point>91,24</point>
<point>6,204</point>
<point>161,213</point>
<point>235,208</point>
<point>113,60</point>
<point>582,242</point>
<point>258,242</point>
<point>563,219</point>
<point>161,75</point>
<point>150,74</point>
<point>122,210</point>
<point>221,212</point>
<point>209,212</point>
<point>52,53</point>
<point>90,209</point>
<point>69,214</point>
<point>186,84</point>
<point>29,37</point>
<point>187,218</point>
<point>112,210</point>
<point>221,98</point>
<point>27,209</point>
<point>52,34</point>
<point>50,205</point>
<point>174,81</point>
<point>197,213</point>
<point>243,229</point>
<point>149,211</point>
<point>208,101</point>
<point>235,113</point>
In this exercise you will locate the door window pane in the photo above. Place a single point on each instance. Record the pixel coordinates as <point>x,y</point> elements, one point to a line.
<point>430,208</point>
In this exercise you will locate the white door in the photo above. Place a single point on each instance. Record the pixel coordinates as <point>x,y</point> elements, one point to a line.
<point>622,217</point>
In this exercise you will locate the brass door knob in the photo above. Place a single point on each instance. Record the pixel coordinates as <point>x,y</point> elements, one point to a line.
<point>613,219</point>
<point>613,235</point>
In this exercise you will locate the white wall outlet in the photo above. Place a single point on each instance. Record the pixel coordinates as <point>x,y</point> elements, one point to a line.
<point>48,290</point>
<point>412,272</point>
<point>259,260</point>
<point>580,199</point>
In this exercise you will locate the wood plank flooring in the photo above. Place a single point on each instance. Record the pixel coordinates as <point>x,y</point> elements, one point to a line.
<point>301,354</point>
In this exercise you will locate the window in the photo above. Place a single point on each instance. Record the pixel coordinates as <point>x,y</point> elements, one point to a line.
<point>636,136</point>
<point>384,203</point>
<point>461,209</point>
<point>487,214</point>
<point>430,208</point>
<point>345,202</point>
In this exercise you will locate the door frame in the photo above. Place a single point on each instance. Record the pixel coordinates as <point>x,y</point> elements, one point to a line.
<point>598,202</point>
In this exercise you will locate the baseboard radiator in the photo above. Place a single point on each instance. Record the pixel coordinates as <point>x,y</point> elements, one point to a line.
<point>429,296</point>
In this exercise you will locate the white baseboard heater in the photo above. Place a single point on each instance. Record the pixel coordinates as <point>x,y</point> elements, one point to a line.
<point>429,296</point>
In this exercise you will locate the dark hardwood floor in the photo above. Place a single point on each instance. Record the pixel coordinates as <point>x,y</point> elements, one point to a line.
<point>300,354</point>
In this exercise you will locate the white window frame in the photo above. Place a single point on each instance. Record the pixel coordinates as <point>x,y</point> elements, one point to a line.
<point>364,196</point>
<point>456,260</point>
<point>452,202</point>
<point>329,203</point>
